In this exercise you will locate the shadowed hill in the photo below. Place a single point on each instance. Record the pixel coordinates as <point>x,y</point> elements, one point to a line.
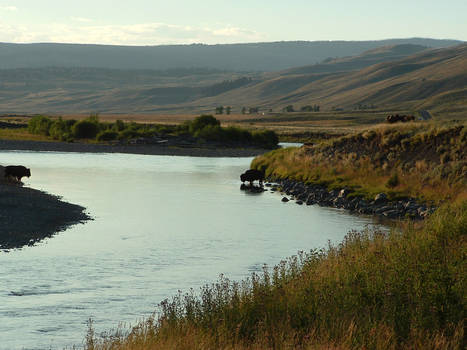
<point>368,58</point>
<point>236,57</point>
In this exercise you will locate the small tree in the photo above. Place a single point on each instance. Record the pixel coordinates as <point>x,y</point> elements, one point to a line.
<point>203,121</point>
<point>39,125</point>
<point>289,109</point>
<point>220,110</point>
<point>86,129</point>
<point>307,108</point>
<point>243,110</point>
<point>228,109</point>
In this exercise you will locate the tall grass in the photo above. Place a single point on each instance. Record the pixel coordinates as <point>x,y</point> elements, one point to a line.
<point>400,290</point>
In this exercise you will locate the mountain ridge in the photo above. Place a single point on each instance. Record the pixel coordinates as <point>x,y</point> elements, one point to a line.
<point>271,56</point>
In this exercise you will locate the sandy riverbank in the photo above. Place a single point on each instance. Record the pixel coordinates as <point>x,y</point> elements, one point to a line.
<point>28,215</point>
<point>153,149</point>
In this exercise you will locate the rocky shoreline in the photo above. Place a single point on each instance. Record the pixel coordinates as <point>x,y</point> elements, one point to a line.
<point>380,206</point>
<point>27,216</point>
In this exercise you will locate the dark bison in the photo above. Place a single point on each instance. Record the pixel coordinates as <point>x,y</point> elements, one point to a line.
<point>399,118</point>
<point>17,171</point>
<point>252,175</point>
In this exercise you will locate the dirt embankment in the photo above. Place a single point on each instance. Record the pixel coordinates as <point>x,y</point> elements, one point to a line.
<point>28,216</point>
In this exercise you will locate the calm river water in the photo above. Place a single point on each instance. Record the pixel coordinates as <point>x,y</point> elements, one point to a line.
<point>161,224</point>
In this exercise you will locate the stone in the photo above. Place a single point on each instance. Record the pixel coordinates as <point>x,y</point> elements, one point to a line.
<point>285,199</point>
<point>381,198</point>
<point>344,193</point>
<point>392,214</point>
<point>299,202</point>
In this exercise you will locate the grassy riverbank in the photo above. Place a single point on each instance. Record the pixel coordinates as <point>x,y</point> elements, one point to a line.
<point>421,160</point>
<point>399,290</point>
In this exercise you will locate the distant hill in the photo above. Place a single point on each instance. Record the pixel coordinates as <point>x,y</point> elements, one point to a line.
<point>399,76</point>
<point>233,57</point>
<point>367,58</point>
<point>435,79</point>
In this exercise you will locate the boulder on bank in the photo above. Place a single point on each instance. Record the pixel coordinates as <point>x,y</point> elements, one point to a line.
<point>381,205</point>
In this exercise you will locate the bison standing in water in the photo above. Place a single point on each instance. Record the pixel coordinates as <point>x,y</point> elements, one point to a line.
<point>17,171</point>
<point>252,175</point>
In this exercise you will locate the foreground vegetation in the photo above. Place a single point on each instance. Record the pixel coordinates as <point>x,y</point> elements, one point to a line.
<point>203,129</point>
<point>400,290</point>
<point>422,160</point>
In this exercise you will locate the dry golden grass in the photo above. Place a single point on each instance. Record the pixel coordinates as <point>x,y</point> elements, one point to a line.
<point>428,158</point>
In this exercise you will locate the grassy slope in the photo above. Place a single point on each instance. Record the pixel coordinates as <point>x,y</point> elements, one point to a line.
<point>399,290</point>
<point>430,161</point>
<point>411,83</point>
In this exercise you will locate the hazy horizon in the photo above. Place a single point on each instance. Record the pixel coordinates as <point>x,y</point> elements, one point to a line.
<point>184,22</point>
<point>234,43</point>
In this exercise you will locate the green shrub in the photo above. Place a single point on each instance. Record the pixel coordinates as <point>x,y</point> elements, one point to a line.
<point>39,125</point>
<point>210,133</point>
<point>129,133</point>
<point>265,138</point>
<point>58,129</point>
<point>107,135</point>
<point>203,121</point>
<point>85,129</point>
<point>118,125</point>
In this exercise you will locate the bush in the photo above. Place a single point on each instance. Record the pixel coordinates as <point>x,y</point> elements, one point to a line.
<point>85,129</point>
<point>265,138</point>
<point>210,133</point>
<point>58,129</point>
<point>118,125</point>
<point>39,125</point>
<point>238,135</point>
<point>129,133</point>
<point>203,121</point>
<point>107,135</point>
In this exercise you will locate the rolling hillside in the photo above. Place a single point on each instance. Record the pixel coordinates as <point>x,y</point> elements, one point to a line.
<point>433,79</point>
<point>392,77</point>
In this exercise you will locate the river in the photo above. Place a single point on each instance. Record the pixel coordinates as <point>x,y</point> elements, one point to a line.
<point>161,224</point>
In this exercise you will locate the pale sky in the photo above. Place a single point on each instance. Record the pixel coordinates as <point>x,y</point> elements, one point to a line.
<point>155,22</point>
